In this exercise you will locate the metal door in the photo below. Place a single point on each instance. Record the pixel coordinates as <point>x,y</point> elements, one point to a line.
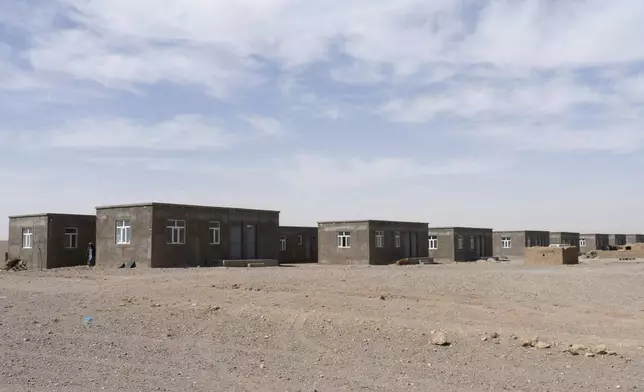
<point>307,249</point>
<point>406,243</point>
<point>414,244</point>
<point>235,241</point>
<point>250,242</point>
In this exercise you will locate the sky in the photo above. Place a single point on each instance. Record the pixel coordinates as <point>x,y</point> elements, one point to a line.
<point>506,114</point>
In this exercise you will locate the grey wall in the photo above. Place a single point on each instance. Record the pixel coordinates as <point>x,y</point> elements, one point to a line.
<point>634,238</point>
<point>593,242</point>
<point>569,238</point>
<point>294,253</point>
<point>617,239</point>
<point>328,251</point>
<point>36,257</point>
<point>520,241</point>
<point>448,243</point>
<point>4,249</point>
<point>111,255</point>
<point>389,253</point>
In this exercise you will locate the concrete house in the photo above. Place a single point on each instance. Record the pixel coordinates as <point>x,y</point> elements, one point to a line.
<point>564,238</point>
<point>4,249</point>
<point>51,240</point>
<point>635,238</point>
<point>514,243</point>
<point>617,239</point>
<point>298,244</point>
<point>163,235</point>
<point>592,242</point>
<point>460,243</point>
<point>370,241</point>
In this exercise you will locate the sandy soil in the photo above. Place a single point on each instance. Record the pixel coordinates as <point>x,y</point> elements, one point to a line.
<point>316,328</point>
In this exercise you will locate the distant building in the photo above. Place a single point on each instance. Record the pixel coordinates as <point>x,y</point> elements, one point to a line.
<point>592,242</point>
<point>460,243</point>
<point>564,238</point>
<point>617,239</point>
<point>4,249</point>
<point>634,238</point>
<point>164,235</point>
<point>370,241</point>
<point>48,240</point>
<point>298,244</point>
<point>514,243</point>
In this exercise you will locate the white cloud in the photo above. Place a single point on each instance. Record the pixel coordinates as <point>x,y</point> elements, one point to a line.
<point>266,125</point>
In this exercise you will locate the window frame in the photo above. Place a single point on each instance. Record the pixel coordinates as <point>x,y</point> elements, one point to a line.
<point>472,242</point>
<point>177,227</point>
<point>124,228</point>
<point>214,228</point>
<point>300,240</point>
<point>71,237</point>
<point>460,242</point>
<point>397,239</point>
<point>27,232</point>
<point>380,238</point>
<point>344,239</point>
<point>506,242</point>
<point>432,242</point>
<point>582,242</point>
<point>283,243</point>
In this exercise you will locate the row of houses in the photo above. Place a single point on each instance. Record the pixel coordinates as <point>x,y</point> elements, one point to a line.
<point>163,235</point>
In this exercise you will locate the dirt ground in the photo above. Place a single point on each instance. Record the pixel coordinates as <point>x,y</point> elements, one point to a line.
<point>323,328</point>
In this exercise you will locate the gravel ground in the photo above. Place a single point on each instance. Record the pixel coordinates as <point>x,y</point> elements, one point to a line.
<point>323,328</point>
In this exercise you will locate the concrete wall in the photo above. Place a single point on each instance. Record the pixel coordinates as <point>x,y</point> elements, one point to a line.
<point>4,249</point>
<point>413,241</point>
<point>328,251</point>
<point>520,241</point>
<point>109,254</point>
<point>617,239</point>
<point>36,257</point>
<point>567,238</point>
<point>634,238</point>
<point>57,253</point>
<point>594,242</point>
<point>307,252</point>
<point>448,238</point>
<point>541,256</point>
<point>149,247</point>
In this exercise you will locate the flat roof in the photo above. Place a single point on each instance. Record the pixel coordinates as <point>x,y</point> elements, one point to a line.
<point>521,231</point>
<point>159,204</point>
<point>459,227</point>
<point>47,214</point>
<point>370,221</point>
<point>564,232</point>
<point>298,227</point>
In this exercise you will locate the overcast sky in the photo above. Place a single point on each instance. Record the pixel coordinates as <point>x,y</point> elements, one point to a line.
<point>505,114</point>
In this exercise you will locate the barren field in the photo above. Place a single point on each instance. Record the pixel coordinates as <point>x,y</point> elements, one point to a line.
<point>318,328</point>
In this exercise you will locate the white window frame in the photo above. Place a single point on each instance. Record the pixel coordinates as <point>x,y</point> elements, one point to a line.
<point>282,243</point>
<point>380,239</point>
<point>27,238</point>
<point>506,242</point>
<point>177,232</point>
<point>300,240</point>
<point>397,239</point>
<point>459,242</point>
<point>433,242</point>
<point>123,232</point>
<point>582,242</point>
<point>215,232</point>
<point>71,237</point>
<point>471,242</point>
<point>344,239</point>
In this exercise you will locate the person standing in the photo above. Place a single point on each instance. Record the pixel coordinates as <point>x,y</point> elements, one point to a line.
<point>91,255</point>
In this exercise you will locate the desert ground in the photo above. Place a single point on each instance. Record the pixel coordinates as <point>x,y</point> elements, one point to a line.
<point>324,328</point>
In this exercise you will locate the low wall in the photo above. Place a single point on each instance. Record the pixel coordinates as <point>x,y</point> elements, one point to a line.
<point>551,256</point>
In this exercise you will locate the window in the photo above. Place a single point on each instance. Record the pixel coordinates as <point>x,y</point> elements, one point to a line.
<point>176,232</point>
<point>472,242</point>
<point>582,242</point>
<point>460,242</point>
<point>123,232</point>
<point>215,233</point>
<point>397,239</point>
<point>506,242</point>
<point>433,242</point>
<point>282,243</point>
<point>27,238</point>
<point>344,239</point>
<point>300,240</point>
<point>71,238</point>
<point>380,239</point>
